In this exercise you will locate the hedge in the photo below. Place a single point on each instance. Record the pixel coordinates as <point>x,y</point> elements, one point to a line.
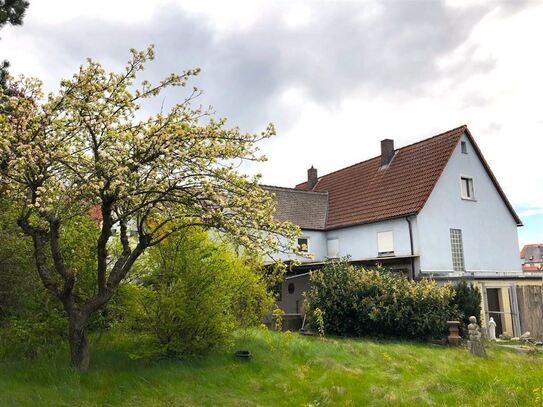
<point>358,302</point>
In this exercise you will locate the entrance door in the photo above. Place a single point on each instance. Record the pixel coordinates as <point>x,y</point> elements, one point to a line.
<point>494,309</point>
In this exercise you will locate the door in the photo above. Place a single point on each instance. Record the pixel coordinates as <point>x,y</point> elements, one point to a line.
<point>494,309</point>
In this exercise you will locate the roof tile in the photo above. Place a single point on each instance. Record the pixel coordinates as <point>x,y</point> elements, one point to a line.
<point>306,209</point>
<point>365,192</point>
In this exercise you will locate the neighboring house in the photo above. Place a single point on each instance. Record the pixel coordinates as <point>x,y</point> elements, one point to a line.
<point>532,257</point>
<point>430,209</point>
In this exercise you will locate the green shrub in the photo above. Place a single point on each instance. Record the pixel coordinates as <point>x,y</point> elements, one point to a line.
<point>30,316</point>
<point>34,336</point>
<point>19,283</point>
<point>357,302</point>
<point>467,299</point>
<point>197,292</point>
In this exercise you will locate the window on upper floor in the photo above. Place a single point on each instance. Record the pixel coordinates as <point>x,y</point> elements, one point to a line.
<point>303,244</point>
<point>333,248</point>
<point>464,147</point>
<point>457,250</point>
<point>385,243</point>
<point>467,188</point>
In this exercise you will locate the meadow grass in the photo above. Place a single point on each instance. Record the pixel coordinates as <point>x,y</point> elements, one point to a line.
<point>286,370</point>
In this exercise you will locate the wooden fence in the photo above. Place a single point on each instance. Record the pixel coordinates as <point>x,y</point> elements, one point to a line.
<point>530,304</point>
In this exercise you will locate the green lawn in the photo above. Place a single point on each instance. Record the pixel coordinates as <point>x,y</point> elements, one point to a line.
<point>287,369</point>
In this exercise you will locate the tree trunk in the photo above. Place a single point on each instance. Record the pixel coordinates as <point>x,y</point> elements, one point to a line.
<point>79,343</point>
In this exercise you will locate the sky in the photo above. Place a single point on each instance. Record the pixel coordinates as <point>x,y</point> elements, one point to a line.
<point>334,77</point>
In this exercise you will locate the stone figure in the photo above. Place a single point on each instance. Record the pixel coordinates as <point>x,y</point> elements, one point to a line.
<point>492,329</point>
<point>475,344</point>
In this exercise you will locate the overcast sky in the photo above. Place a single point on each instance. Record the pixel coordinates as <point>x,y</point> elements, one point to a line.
<point>334,77</point>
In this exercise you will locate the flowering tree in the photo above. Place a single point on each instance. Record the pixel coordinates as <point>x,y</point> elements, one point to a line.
<point>84,148</point>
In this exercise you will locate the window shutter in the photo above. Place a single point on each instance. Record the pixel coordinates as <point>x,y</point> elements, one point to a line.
<point>385,242</point>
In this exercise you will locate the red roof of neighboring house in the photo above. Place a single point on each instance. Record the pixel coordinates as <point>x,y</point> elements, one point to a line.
<point>95,213</point>
<point>365,192</point>
<point>531,248</point>
<point>526,267</point>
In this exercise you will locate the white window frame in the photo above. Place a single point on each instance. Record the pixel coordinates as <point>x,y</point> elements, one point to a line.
<point>457,253</point>
<point>464,147</point>
<point>308,243</point>
<point>387,245</point>
<point>471,183</point>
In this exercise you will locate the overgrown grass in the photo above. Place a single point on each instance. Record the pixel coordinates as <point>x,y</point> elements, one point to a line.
<point>286,370</point>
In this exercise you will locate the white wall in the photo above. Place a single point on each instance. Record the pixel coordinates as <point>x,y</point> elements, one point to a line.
<point>317,247</point>
<point>489,231</point>
<point>360,242</point>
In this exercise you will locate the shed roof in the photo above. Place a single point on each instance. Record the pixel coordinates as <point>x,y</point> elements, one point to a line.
<point>306,209</point>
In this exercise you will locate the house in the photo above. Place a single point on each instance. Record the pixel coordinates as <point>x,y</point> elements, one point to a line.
<point>430,209</point>
<point>532,257</point>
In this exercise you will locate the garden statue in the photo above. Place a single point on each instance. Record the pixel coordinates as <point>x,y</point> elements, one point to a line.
<point>492,329</point>
<point>475,344</point>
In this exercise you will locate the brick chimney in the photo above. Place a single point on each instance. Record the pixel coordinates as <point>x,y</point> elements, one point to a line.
<point>312,177</point>
<point>387,152</point>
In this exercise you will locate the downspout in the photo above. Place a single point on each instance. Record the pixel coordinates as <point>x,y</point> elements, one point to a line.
<point>412,276</point>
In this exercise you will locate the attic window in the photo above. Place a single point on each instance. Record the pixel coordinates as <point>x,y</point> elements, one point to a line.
<point>467,188</point>
<point>464,147</point>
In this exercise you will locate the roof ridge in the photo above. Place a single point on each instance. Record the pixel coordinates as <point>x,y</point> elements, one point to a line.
<point>294,189</point>
<point>463,127</point>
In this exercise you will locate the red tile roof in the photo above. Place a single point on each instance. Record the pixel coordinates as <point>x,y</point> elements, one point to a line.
<point>528,268</point>
<point>95,212</point>
<point>365,192</point>
<point>532,250</point>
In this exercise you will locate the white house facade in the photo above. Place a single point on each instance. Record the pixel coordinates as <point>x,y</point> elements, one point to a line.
<point>431,209</point>
<point>488,231</point>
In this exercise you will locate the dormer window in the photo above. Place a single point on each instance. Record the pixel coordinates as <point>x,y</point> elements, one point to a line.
<point>464,147</point>
<point>467,188</point>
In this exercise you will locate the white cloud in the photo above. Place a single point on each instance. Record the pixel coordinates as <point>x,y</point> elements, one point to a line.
<point>335,77</point>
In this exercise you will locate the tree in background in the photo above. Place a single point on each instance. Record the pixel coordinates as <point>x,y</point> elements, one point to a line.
<point>15,262</point>
<point>83,147</point>
<point>31,318</point>
<point>467,298</point>
<point>11,12</point>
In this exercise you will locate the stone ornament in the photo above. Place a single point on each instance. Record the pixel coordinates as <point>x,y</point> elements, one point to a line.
<point>492,329</point>
<point>475,343</point>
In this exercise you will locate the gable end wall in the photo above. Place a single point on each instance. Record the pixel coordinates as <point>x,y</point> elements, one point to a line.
<point>489,231</point>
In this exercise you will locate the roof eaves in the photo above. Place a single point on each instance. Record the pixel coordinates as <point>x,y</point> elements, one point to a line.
<point>353,224</point>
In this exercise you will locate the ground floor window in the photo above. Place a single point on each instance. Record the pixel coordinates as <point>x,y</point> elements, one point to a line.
<point>277,292</point>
